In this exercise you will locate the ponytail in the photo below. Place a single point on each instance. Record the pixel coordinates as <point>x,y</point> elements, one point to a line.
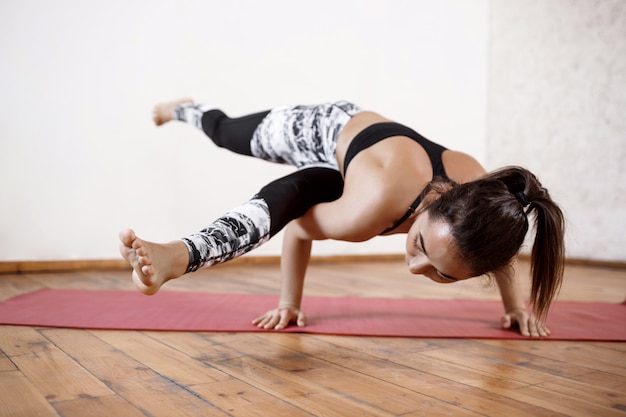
<point>548,250</point>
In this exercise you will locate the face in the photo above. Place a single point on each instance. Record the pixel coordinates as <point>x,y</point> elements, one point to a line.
<point>430,251</point>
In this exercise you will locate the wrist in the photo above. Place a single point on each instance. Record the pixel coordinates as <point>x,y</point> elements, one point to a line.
<point>288,305</point>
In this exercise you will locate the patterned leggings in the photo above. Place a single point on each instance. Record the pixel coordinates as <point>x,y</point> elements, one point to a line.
<point>302,136</point>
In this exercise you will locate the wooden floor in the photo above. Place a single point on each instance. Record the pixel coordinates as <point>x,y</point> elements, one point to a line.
<point>61,372</point>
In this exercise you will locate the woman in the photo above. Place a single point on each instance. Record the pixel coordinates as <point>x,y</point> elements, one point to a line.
<point>361,175</point>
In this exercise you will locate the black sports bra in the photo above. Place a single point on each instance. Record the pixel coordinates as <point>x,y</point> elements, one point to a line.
<point>380,131</point>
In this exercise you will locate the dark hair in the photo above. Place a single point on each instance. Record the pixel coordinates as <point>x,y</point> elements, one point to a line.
<point>489,222</point>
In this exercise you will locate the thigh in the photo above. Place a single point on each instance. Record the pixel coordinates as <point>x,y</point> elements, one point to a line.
<point>302,136</point>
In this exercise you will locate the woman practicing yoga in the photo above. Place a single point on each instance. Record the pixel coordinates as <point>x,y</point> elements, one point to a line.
<point>360,175</point>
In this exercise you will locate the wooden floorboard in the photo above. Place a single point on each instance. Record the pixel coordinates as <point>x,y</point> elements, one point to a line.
<point>68,372</point>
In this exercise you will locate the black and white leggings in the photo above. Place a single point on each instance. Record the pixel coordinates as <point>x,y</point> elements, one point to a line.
<point>302,136</point>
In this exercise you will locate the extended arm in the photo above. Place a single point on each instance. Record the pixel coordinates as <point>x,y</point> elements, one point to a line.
<point>515,311</point>
<point>294,262</point>
<point>293,265</point>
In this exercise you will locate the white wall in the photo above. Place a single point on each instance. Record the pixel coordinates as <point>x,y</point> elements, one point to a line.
<point>557,105</point>
<point>80,159</point>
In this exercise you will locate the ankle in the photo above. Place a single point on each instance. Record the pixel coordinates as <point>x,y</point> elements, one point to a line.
<point>180,257</point>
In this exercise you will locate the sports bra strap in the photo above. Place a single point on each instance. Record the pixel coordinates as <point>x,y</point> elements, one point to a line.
<point>408,213</point>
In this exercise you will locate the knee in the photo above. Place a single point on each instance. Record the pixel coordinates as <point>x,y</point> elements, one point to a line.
<point>306,188</point>
<point>290,197</point>
<point>211,122</point>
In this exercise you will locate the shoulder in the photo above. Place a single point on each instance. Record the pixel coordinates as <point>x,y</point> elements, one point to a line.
<point>461,167</point>
<point>358,215</point>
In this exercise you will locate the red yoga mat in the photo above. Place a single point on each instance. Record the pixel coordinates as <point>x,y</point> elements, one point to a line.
<point>193,311</point>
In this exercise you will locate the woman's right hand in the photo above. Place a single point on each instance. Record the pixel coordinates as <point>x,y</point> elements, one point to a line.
<point>280,318</point>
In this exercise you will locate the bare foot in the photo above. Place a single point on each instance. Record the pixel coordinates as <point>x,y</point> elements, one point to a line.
<point>153,263</point>
<point>164,112</point>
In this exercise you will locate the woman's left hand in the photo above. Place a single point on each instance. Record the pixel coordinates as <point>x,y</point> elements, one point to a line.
<point>527,323</point>
<point>280,318</point>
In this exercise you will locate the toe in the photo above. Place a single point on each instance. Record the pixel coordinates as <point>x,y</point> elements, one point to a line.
<point>127,237</point>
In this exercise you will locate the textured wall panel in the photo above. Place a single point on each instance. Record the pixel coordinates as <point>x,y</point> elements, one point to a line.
<point>557,105</point>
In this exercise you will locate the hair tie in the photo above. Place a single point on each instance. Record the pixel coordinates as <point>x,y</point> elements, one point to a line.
<point>521,197</point>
